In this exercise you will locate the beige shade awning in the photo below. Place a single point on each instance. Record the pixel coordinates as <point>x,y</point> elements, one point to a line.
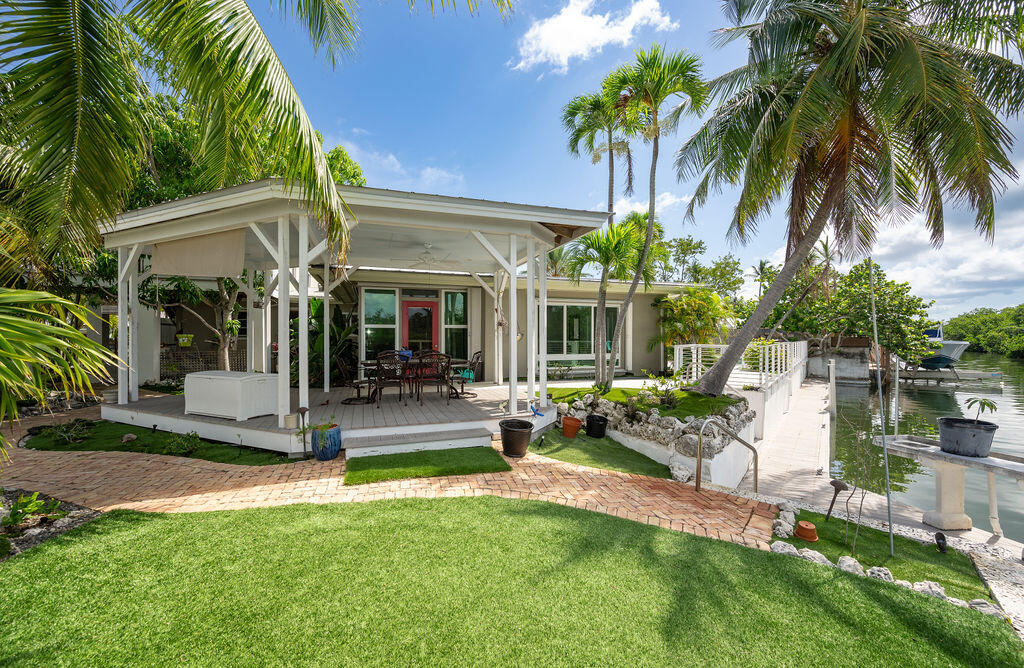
<point>210,255</point>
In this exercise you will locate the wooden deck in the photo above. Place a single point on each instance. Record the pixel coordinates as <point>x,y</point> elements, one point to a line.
<point>481,408</point>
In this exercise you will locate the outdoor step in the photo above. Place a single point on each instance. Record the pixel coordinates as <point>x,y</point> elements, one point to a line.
<point>425,437</point>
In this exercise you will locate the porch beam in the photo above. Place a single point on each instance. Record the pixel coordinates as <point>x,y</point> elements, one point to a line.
<point>531,321</point>
<point>513,329</point>
<point>502,262</point>
<point>303,311</point>
<point>488,289</point>
<point>318,250</point>
<point>129,258</point>
<point>542,268</point>
<point>263,240</point>
<point>283,302</point>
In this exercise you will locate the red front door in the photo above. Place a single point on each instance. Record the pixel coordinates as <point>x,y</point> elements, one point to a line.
<point>420,325</point>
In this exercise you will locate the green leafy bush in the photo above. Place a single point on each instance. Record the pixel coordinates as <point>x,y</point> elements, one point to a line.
<point>24,507</point>
<point>74,431</point>
<point>5,546</point>
<point>180,445</point>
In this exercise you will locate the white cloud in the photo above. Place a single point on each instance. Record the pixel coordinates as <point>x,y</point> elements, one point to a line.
<point>663,201</point>
<point>436,178</point>
<point>383,169</point>
<point>577,33</point>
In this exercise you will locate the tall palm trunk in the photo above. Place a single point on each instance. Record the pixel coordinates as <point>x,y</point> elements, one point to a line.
<point>715,379</point>
<point>644,252</point>
<point>600,330</point>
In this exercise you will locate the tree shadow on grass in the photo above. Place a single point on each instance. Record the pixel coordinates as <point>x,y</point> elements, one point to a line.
<point>746,601</point>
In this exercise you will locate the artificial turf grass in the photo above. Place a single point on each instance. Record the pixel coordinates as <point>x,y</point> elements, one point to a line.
<point>423,464</point>
<point>470,581</point>
<point>106,436</point>
<point>688,402</point>
<point>913,561</point>
<point>601,453</point>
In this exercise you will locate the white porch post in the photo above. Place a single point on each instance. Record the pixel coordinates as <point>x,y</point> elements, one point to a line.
<point>626,340</point>
<point>513,330</point>
<point>327,322</point>
<point>531,321</point>
<point>498,371</point>
<point>250,320</point>
<point>133,328</point>
<point>304,311</point>
<point>283,299</point>
<point>122,326</point>
<point>542,268</point>
<point>268,320</point>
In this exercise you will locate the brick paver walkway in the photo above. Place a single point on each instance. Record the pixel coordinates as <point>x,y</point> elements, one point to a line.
<point>109,480</point>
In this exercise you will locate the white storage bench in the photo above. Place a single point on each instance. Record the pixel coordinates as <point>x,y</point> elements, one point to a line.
<point>235,395</point>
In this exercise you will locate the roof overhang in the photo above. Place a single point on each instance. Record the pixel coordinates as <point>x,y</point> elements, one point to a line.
<point>388,227</point>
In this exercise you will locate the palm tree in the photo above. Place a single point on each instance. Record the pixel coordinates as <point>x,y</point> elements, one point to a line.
<point>695,315</point>
<point>614,250</point>
<point>41,347</point>
<point>556,264</point>
<point>644,87</point>
<point>761,271</point>
<point>73,71</point>
<point>860,114</point>
<point>587,117</point>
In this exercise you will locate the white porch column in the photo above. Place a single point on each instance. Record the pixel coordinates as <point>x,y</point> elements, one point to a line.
<point>498,370</point>
<point>542,268</point>
<point>513,330</point>
<point>250,320</point>
<point>626,340</point>
<point>268,326</point>
<point>122,325</point>
<point>283,299</point>
<point>304,311</point>
<point>327,322</point>
<point>133,328</point>
<point>531,321</point>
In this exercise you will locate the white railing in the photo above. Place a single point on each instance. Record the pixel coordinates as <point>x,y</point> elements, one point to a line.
<point>767,376</point>
<point>765,364</point>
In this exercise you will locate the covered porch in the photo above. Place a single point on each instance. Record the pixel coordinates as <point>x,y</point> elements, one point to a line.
<point>259,234</point>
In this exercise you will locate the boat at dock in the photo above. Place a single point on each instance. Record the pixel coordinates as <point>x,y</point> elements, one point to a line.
<point>948,353</point>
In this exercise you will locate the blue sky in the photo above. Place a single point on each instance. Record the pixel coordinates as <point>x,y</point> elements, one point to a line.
<point>470,105</point>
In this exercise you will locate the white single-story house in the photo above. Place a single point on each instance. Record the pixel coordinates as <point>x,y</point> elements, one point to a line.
<point>422,271</point>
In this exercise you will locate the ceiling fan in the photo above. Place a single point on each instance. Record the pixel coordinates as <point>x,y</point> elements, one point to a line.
<point>426,259</point>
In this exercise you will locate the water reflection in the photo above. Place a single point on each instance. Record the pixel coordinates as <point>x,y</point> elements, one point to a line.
<point>857,460</point>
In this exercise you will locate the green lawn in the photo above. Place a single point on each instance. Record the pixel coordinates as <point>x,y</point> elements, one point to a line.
<point>454,582</point>
<point>602,453</point>
<point>423,464</point>
<point>913,561</point>
<point>106,436</point>
<point>689,403</point>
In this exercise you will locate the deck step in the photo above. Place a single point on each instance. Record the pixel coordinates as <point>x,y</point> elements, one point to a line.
<point>362,446</point>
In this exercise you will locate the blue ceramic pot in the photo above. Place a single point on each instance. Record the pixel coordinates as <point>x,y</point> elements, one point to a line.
<point>327,444</point>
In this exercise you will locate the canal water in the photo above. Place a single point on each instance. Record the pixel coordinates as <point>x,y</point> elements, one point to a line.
<point>856,459</point>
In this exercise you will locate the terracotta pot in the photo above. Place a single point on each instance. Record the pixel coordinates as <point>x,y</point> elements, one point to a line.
<point>806,531</point>
<point>570,426</point>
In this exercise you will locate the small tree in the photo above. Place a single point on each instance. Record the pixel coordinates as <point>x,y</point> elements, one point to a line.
<point>695,315</point>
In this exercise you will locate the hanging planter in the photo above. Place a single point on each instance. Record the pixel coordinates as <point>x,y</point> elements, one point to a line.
<point>184,340</point>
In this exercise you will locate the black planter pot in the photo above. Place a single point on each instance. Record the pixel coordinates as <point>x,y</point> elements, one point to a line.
<point>515,437</point>
<point>597,425</point>
<point>966,437</point>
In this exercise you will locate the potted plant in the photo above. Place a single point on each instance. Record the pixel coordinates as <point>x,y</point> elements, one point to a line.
<point>184,340</point>
<point>325,439</point>
<point>967,437</point>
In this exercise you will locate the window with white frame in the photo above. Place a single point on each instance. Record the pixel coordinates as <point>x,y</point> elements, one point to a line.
<point>380,321</point>
<point>570,335</point>
<point>455,324</point>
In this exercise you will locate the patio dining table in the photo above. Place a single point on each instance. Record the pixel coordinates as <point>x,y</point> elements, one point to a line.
<point>370,366</point>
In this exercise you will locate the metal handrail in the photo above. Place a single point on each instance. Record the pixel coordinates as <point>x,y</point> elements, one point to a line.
<point>700,446</point>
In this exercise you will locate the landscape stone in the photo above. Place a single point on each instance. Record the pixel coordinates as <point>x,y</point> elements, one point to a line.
<point>903,583</point>
<point>850,565</point>
<point>782,547</point>
<point>128,438</point>
<point>981,605</point>
<point>781,529</point>
<point>787,516</point>
<point>880,573</point>
<point>958,602</point>
<point>930,588</point>
<point>815,556</point>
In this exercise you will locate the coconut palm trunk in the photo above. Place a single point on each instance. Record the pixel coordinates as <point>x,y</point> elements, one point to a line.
<point>600,330</point>
<point>714,379</point>
<point>645,252</point>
